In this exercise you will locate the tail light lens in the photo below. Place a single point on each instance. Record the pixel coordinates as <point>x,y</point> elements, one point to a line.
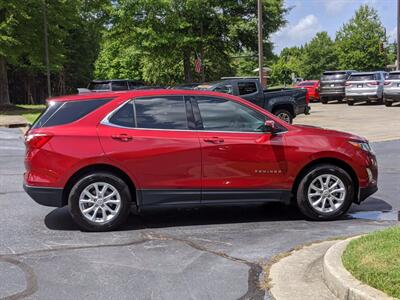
<point>347,84</point>
<point>374,83</point>
<point>37,140</point>
<point>387,82</point>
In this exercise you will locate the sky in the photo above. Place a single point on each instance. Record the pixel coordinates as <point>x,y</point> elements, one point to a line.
<point>307,17</point>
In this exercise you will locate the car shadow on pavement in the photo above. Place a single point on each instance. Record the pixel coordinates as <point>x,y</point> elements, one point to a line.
<point>60,219</point>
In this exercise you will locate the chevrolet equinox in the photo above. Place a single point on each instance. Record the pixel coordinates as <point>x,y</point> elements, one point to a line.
<point>104,154</point>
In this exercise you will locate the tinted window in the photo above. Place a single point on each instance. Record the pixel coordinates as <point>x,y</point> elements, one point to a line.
<point>161,113</point>
<point>99,86</point>
<point>363,77</point>
<point>394,76</point>
<point>135,84</point>
<point>334,76</point>
<point>224,88</point>
<point>124,116</point>
<point>225,115</point>
<point>247,88</point>
<point>45,116</point>
<point>68,112</point>
<point>119,85</point>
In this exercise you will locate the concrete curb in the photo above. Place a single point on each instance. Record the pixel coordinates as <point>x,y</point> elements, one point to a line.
<point>340,282</point>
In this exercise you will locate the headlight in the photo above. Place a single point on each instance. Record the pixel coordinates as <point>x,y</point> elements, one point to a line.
<point>362,145</point>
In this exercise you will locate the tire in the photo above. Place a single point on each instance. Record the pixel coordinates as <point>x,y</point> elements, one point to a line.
<point>324,101</point>
<point>388,103</point>
<point>312,177</point>
<point>116,211</point>
<point>350,103</point>
<point>284,115</point>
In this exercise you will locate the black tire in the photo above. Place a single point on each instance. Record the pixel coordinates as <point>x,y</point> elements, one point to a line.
<point>302,192</point>
<point>388,103</point>
<point>84,182</point>
<point>324,101</point>
<point>350,103</point>
<point>284,115</point>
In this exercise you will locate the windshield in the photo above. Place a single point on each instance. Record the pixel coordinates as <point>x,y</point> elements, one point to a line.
<point>333,76</point>
<point>362,77</point>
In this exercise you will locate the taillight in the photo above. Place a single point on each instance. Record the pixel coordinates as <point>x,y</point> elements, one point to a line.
<point>347,84</point>
<point>373,83</point>
<point>37,140</point>
<point>387,82</point>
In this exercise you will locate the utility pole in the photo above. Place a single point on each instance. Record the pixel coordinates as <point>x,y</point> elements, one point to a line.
<point>398,35</point>
<point>46,47</point>
<point>260,42</point>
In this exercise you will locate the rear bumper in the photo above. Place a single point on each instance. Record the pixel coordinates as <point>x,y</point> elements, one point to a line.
<point>45,196</point>
<point>307,110</point>
<point>332,95</point>
<point>392,97</point>
<point>362,97</point>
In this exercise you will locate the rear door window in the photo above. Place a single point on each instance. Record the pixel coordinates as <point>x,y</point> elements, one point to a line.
<point>164,112</point>
<point>247,88</point>
<point>60,113</point>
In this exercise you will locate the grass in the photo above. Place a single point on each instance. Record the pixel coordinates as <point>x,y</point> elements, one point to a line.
<point>375,260</point>
<point>29,112</point>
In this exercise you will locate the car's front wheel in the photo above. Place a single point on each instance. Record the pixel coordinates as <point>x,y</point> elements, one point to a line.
<point>325,193</point>
<point>99,202</point>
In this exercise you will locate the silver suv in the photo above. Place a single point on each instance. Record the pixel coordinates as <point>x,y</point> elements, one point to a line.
<point>365,86</point>
<point>391,90</point>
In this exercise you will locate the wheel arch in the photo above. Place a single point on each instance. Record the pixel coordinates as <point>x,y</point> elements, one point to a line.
<point>326,160</point>
<point>98,168</point>
<point>287,106</point>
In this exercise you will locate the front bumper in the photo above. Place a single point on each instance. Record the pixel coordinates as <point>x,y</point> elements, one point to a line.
<point>46,196</point>
<point>366,192</point>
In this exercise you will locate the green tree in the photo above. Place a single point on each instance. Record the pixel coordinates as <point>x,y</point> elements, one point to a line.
<point>319,55</point>
<point>289,62</point>
<point>359,41</point>
<point>164,37</point>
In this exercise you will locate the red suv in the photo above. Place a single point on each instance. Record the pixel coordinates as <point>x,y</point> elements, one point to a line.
<point>103,154</point>
<point>312,88</point>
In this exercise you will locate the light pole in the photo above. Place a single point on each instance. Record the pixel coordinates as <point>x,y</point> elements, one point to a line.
<point>398,35</point>
<point>260,42</point>
<point>46,47</point>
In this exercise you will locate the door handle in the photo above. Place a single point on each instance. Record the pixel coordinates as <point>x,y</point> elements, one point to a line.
<point>214,140</point>
<point>122,137</point>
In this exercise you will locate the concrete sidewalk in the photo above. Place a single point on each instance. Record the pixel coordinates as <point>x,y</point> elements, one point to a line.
<point>12,121</point>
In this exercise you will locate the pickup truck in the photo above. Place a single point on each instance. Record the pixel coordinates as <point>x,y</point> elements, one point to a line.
<point>283,102</point>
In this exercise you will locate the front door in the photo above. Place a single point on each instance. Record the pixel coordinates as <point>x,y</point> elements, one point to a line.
<point>149,138</point>
<point>239,161</point>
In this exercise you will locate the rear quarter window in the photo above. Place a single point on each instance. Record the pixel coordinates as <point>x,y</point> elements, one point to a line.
<point>61,113</point>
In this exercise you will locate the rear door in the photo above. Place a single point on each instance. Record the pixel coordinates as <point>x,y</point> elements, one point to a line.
<point>150,138</point>
<point>239,161</point>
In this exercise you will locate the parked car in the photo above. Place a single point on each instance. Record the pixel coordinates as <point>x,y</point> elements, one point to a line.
<point>365,86</point>
<point>391,90</point>
<point>284,103</point>
<point>312,88</point>
<point>147,149</point>
<point>332,85</point>
<point>112,85</point>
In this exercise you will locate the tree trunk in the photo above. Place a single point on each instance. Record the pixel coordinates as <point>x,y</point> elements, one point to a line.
<point>4,93</point>
<point>186,66</point>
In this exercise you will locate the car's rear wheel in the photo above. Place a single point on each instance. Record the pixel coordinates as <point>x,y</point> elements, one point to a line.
<point>349,102</point>
<point>388,103</point>
<point>99,202</point>
<point>284,115</point>
<point>325,193</point>
<point>324,100</point>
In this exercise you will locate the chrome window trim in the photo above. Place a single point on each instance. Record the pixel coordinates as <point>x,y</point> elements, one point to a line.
<point>105,121</point>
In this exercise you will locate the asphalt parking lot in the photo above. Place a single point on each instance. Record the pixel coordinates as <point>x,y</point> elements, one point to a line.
<point>210,253</point>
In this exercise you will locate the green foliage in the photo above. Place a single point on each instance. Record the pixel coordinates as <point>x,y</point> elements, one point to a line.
<point>359,42</point>
<point>161,39</point>
<point>289,62</point>
<point>319,55</point>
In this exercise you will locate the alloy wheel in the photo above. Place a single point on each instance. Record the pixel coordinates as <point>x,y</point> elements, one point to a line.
<point>100,202</point>
<point>326,193</point>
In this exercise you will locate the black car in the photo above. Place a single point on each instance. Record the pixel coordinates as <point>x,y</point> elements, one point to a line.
<point>332,85</point>
<point>286,103</point>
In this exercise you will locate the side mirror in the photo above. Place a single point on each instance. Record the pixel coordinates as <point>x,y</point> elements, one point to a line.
<point>269,126</point>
